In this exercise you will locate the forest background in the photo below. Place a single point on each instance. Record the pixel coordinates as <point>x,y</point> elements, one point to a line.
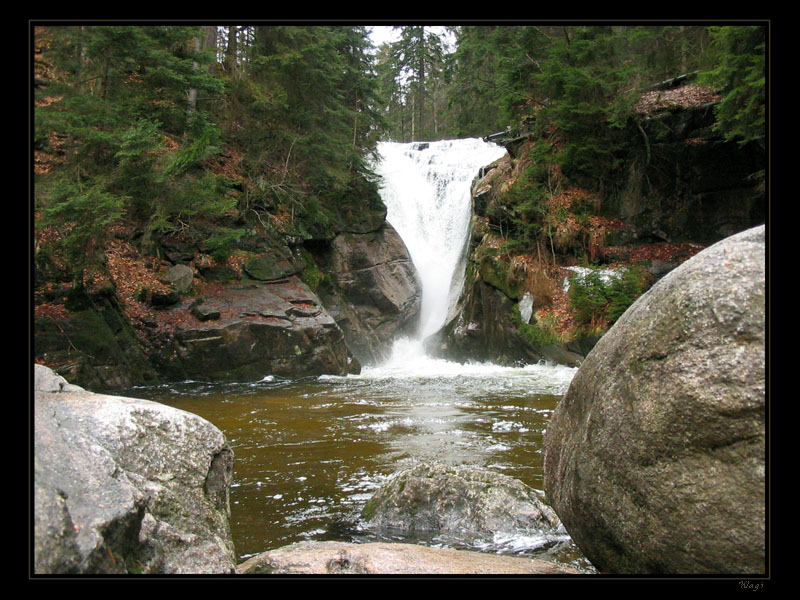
<point>196,130</point>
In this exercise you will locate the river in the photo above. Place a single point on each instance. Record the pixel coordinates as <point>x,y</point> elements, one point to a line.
<point>310,453</point>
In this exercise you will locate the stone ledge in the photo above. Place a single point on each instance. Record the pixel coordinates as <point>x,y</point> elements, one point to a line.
<point>327,558</point>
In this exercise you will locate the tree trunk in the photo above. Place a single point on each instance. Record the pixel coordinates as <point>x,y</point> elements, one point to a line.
<point>230,52</point>
<point>421,88</point>
<point>193,91</point>
<point>210,41</point>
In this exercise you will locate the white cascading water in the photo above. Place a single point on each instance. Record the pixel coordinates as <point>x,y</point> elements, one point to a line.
<point>426,189</point>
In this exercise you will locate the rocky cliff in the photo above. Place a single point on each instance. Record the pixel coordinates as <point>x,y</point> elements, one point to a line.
<point>374,292</point>
<point>280,304</point>
<point>680,187</point>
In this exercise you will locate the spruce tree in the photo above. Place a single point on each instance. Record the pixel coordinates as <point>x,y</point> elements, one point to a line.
<point>112,99</point>
<point>417,58</point>
<point>739,73</point>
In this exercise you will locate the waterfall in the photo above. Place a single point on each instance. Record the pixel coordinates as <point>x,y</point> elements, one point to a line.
<point>426,189</point>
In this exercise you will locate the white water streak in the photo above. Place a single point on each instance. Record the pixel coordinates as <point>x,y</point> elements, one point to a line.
<point>426,189</point>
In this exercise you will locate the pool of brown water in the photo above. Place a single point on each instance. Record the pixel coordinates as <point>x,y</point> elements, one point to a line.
<point>310,453</point>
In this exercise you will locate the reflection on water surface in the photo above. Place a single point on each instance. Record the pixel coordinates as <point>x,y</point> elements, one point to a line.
<point>310,453</point>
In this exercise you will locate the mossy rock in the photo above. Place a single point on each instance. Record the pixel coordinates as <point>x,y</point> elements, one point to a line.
<point>495,272</point>
<point>274,265</point>
<point>218,273</point>
<point>97,347</point>
<point>180,277</point>
<point>457,503</point>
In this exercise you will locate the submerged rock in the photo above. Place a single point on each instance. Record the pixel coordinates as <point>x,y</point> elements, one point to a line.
<point>457,503</point>
<point>655,458</point>
<point>328,558</point>
<point>127,486</point>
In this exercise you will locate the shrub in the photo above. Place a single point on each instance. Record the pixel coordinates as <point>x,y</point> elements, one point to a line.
<point>535,334</point>
<point>598,299</point>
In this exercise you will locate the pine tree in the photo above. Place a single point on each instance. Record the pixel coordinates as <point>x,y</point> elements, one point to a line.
<point>739,73</point>
<point>112,98</point>
<point>303,108</point>
<point>417,58</point>
<point>475,87</point>
<point>392,96</point>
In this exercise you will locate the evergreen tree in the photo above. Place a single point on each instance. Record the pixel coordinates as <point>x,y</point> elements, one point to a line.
<point>739,73</point>
<point>303,109</point>
<point>417,58</point>
<point>112,98</point>
<point>475,87</point>
<point>392,96</point>
<point>360,93</point>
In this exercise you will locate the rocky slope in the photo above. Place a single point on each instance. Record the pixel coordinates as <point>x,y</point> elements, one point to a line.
<point>277,306</point>
<point>682,187</point>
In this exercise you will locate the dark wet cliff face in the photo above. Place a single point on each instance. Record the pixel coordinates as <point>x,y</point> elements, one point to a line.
<point>373,291</point>
<point>684,182</point>
<point>680,186</point>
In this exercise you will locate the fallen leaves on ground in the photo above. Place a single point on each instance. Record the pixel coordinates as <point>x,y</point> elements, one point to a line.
<point>685,96</point>
<point>631,255</point>
<point>558,315</point>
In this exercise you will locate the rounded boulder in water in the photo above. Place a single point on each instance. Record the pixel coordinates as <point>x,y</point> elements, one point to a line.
<point>458,503</point>
<point>655,458</point>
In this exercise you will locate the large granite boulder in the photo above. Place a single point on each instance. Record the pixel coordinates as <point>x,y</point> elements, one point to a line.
<point>375,293</point>
<point>339,558</point>
<point>126,486</point>
<point>458,505</point>
<point>277,328</point>
<point>655,458</point>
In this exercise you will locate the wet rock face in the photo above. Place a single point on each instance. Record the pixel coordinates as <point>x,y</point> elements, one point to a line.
<point>694,185</point>
<point>655,458</point>
<point>482,328</point>
<point>376,291</point>
<point>127,486</point>
<point>276,328</point>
